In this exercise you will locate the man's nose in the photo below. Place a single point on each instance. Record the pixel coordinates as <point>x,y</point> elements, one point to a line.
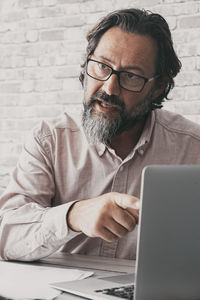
<point>111,86</point>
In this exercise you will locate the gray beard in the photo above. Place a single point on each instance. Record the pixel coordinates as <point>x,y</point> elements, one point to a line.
<point>99,129</point>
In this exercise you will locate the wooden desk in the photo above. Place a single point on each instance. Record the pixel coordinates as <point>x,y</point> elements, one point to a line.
<point>101,266</point>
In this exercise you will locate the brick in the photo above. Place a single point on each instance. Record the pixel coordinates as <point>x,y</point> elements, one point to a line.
<point>96,6</point>
<point>29,24</point>
<point>4,26</point>
<point>198,63</point>
<point>17,127</point>
<point>12,37</point>
<point>50,85</point>
<point>60,60</point>
<point>45,12</point>
<point>93,18</point>
<point>12,112</point>
<point>71,84</point>
<point>172,22</point>
<point>32,36</point>
<point>14,16</point>
<point>188,49</point>
<point>74,58</point>
<point>29,99</point>
<point>49,2</point>
<point>177,9</point>
<point>181,36</point>
<point>60,22</point>
<point>128,3</point>
<point>44,111</point>
<point>176,1</point>
<point>4,179</point>
<point>27,86</point>
<point>74,34</point>
<point>188,63</point>
<point>9,100</point>
<point>4,172</point>
<point>31,62</point>
<point>52,35</point>
<point>192,93</point>
<point>74,108</point>
<point>30,112</point>
<point>46,60</point>
<point>7,125</point>
<point>191,107</point>
<point>188,78</point>
<point>77,46</point>
<point>10,87</point>
<point>189,22</point>
<point>9,160</point>
<point>1,189</point>
<point>178,94</point>
<point>69,1</point>
<point>68,97</point>
<point>30,3</point>
<point>70,9</point>
<point>185,93</point>
<point>9,74</point>
<point>31,49</point>
<point>193,35</point>
<point>16,61</point>
<point>34,73</point>
<point>8,136</point>
<point>147,3</point>
<point>70,21</point>
<point>69,71</point>
<point>10,148</point>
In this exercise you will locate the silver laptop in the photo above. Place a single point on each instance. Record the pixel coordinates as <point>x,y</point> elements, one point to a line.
<point>168,250</point>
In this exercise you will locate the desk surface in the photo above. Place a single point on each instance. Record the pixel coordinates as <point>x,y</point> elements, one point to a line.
<point>101,266</point>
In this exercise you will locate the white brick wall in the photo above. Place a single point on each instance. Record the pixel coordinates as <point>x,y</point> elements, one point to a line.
<point>41,47</point>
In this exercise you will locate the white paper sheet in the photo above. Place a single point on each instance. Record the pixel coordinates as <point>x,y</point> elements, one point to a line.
<point>26,281</point>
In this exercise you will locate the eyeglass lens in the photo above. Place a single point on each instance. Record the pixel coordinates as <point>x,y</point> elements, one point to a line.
<point>102,72</point>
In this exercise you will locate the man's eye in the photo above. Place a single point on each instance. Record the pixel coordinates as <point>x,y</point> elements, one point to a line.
<point>103,67</point>
<point>130,76</point>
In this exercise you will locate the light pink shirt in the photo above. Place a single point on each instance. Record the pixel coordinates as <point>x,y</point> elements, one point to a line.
<point>58,166</point>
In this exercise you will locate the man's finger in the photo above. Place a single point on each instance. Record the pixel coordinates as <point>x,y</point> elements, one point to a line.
<point>124,218</point>
<point>127,201</point>
<point>108,235</point>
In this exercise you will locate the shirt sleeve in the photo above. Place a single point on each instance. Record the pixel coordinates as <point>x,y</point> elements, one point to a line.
<point>30,228</point>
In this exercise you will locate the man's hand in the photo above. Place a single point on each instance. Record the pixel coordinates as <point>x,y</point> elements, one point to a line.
<point>109,216</point>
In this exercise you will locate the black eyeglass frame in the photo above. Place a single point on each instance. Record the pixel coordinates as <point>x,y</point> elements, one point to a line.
<point>118,75</point>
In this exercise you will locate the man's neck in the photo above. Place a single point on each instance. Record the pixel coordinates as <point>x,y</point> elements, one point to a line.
<point>125,142</point>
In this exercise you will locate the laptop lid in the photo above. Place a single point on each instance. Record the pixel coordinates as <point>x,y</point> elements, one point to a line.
<point>168,253</point>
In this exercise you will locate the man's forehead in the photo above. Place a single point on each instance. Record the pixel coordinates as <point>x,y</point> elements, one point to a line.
<point>125,49</point>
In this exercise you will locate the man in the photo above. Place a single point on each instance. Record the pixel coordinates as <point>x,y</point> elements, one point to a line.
<point>77,183</point>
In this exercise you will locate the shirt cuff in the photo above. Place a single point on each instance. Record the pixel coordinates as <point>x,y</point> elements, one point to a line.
<point>55,222</point>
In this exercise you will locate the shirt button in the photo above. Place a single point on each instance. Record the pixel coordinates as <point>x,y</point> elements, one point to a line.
<point>141,151</point>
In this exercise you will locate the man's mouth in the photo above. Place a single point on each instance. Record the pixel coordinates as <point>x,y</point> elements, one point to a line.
<point>104,104</point>
<point>108,106</point>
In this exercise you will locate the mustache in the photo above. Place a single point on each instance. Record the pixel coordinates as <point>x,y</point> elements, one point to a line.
<point>110,99</point>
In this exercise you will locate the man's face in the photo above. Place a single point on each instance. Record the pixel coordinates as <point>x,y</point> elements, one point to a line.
<point>108,108</point>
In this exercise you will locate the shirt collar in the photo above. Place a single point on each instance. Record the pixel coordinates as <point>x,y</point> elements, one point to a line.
<point>101,148</point>
<point>147,131</point>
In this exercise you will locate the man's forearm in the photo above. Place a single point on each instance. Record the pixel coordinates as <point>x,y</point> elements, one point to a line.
<point>32,232</point>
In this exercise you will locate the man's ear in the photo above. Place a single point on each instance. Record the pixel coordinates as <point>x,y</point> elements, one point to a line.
<point>161,85</point>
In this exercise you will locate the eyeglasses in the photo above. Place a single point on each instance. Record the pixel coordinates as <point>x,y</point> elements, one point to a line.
<point>127,80</point>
